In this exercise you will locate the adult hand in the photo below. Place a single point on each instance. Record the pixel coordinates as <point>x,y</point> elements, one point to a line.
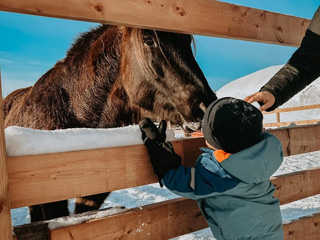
<point>265,99</point>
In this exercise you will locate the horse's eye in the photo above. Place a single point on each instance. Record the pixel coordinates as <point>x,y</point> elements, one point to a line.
<point>149,42</point>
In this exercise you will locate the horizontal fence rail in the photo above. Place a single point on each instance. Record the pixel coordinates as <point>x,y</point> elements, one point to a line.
<point>179,216</point>
<point>202,17</point>
<point>284,124</point>
<point>306,228</point>
<point>292,109</point>
<point>167,220</point>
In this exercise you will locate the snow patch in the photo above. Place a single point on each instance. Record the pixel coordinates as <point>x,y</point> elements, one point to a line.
<point>25,141</point>
<point>85,217</point>
<point>247,85</point>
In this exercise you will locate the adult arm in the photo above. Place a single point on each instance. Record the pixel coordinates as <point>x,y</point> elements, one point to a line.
<point>301,70</point>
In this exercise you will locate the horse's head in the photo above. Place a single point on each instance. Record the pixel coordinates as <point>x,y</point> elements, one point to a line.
<point>165,79</point>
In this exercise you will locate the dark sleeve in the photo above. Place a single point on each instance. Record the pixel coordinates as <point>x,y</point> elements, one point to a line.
<point>197,182</point>
<point>301,70</point>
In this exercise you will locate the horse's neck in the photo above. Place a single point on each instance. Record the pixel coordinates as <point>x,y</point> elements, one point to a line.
<point>104,101</point>
<point>118,110</point>
<point>101,101</point>
<point>93,77</point>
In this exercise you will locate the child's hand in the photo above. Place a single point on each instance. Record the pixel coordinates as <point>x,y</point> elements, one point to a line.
<point>162,155</point>
<point>150,133</point>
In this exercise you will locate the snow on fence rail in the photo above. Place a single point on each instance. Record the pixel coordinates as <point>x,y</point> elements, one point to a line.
<point>22,177</point>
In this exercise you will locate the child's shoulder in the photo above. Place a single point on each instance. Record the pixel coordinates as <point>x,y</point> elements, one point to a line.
<point>208,161</point>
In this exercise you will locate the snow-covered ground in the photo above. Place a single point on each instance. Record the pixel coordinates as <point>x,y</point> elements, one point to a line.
<point>138,196</point>
<point>251,83</point>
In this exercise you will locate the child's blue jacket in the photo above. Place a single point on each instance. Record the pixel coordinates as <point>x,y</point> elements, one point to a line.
<point>234,191</point>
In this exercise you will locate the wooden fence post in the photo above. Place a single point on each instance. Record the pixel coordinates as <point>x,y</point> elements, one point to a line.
<point>278,118</point>
<point>5,217</point>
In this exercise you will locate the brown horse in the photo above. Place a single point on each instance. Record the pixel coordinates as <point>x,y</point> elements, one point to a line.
<point>111,77</point>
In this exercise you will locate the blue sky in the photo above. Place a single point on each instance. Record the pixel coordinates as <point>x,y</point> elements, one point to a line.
<point>30,45</point>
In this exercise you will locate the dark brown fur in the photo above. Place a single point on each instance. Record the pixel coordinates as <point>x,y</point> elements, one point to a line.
<point>111,77</point>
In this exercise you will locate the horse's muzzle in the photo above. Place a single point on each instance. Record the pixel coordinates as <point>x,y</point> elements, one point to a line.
<point>190,127</point>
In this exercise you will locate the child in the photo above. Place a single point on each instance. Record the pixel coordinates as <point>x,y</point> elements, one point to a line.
<point>231,179</point>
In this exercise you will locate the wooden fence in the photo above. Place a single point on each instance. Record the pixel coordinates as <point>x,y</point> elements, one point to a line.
<point>29,180</point>
<point>278,122</point>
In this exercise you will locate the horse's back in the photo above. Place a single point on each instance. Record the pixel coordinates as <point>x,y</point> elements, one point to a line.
<point>11,104</point>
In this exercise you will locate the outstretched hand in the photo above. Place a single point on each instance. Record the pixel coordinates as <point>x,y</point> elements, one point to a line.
<point>265,99</point>
<point>150,133</point>
<point>162,155</point>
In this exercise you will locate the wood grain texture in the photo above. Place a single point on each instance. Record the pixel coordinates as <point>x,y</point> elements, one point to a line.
<point>201,17</point>
<point>71,174</point>
<point>5,217</point>
<point>158,221</point>
<point>298,139</point>
<point>294,109</point>
<point>285,124</point>
<point>297,185</point>
<point>167,220</point>
<point>306,228</point>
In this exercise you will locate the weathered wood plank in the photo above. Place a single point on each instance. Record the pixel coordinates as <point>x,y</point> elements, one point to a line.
<point>163,220</point>
<point>284,124</point>
<point>294,109</point>
<point>191,150</point>
<point>5,217</point>
<point>306,228</point>
<point>297,140</point>
<point>143,224</point>
<point>202,17</point>
<point>297,185</point>
<point>67,175</point>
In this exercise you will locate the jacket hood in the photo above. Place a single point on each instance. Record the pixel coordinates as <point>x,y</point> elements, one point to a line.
<point>256,163</point>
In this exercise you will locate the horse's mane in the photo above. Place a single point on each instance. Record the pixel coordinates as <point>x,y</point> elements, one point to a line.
<point>97,54</point>
<point>86,39</point>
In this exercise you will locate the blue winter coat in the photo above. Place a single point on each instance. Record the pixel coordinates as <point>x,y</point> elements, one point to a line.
<point>234,191</point>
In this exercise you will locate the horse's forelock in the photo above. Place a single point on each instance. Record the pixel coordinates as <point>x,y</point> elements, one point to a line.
<point>194,45</point>
<point>138,46</point>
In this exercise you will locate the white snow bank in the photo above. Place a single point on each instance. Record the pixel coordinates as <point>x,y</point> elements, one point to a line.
<point>247,85</point>
<point>25,141</point>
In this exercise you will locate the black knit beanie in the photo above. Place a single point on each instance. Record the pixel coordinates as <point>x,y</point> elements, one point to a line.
<point>232,124</point>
